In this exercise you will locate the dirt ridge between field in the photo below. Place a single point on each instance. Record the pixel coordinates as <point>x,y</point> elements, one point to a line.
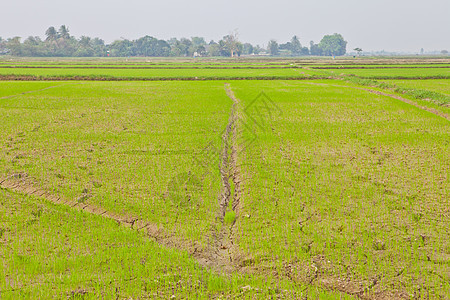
<point>19,77</point>
<point>150,68</point>
<point>410,102</point>
<point>379,67</point>
<point>236,176</point>
<point>12,77</point>
<point>395,77</point>
<point>223,251</point>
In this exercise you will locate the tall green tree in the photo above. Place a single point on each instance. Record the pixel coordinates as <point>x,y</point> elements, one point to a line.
<point>247,48</point>
<point>186,46</point>
<point>3,49</point>
<point>314,49</point>
<point>33,46</point>
<point>150,46</point>
<point>176,49</point>
<point>63,32</point>
<point>273,48</point>
<point>198,41</point>
<point>198,45</point>
<point>230,44</point>
<point>52,34</point>
<point>122,48</point>
<point>333,45</point>
<point>99,47</point>
<point>295,46</point>
<point>14,46</point>
<point>85,48</point>
<point>213,49</point>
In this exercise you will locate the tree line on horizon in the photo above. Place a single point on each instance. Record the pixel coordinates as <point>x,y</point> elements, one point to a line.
<point>59,43</point>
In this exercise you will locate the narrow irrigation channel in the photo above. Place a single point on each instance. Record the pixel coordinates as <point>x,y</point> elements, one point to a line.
<point>224,253</point>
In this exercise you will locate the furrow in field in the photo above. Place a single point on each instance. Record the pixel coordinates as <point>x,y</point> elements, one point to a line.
<point>378,67</point>
<point>13,77</point>
<point>223,253</point>
<point>149,68</point>
<point>235,174</point>
<point>235,149</point>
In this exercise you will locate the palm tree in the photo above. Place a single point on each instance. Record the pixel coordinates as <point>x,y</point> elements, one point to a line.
<point>64,32</point>
<point>51,34</point>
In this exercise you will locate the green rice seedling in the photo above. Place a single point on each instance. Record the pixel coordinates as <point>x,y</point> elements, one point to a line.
<point>327,186</point>
<point>72,254</point>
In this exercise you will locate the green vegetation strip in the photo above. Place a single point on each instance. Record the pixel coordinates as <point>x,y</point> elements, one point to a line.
<point>149,67</point>
<point>421,94</point>
<point>155,78</point>
<point>441,86</point>
<point>411,73</point>
<point>156,74</point>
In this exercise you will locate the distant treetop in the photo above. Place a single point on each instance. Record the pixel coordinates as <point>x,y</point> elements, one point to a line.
<point>60,43</point>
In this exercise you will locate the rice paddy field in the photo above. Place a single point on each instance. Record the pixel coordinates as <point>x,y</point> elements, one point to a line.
<point>241,178</point>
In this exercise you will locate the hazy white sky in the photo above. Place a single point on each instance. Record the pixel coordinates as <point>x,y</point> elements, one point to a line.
<point>391,25</point>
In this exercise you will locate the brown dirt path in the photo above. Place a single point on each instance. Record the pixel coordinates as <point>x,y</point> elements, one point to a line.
<point>223,252</point>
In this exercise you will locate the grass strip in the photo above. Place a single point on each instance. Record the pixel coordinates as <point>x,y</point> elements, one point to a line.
<point>438,98</point>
